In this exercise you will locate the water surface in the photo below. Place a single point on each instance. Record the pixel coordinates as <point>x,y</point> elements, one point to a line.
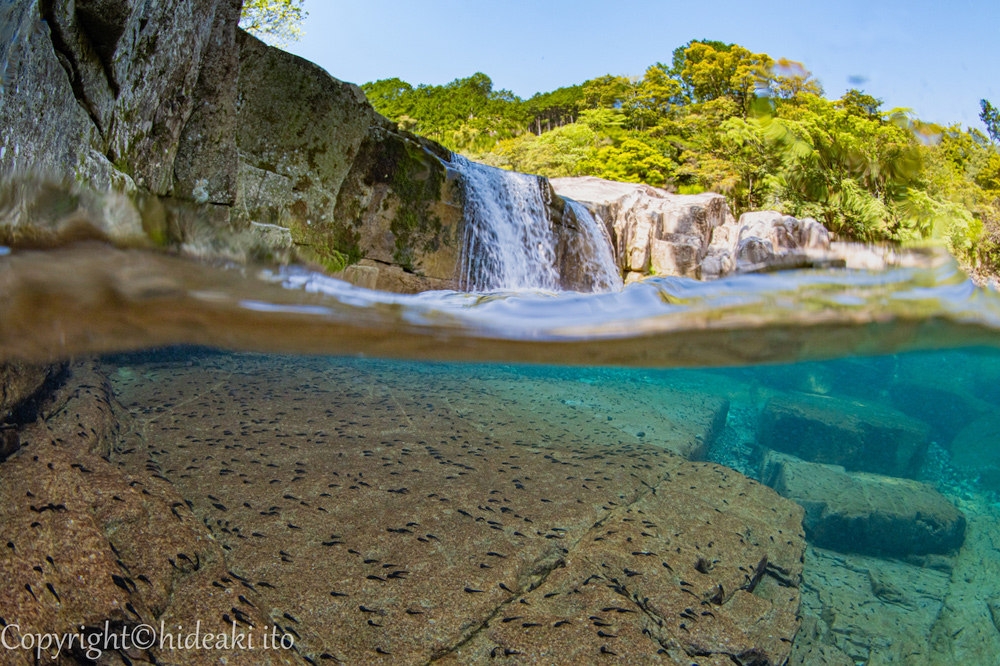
<point>286,391</point>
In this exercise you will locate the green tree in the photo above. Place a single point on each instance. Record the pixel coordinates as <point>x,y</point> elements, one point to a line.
<point>278,22</point>
<point>790,80</point>
<point>465,115</point>
<point>561,152</point>
<point>554,109</point>
<point>393,98</point>
<point>733,73</point>
<point>852,171</point>
<point>636,160</point>
<point>857,103</point>
<point>649,102</point>
<point>991,118</point>
<point>607,91</point>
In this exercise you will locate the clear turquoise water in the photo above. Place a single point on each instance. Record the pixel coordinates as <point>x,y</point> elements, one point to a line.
<point>952,396</point>
<point>913,349</point>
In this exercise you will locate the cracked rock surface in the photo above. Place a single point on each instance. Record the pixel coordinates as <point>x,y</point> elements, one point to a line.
<point>87,545</point>
<point>382,514</point>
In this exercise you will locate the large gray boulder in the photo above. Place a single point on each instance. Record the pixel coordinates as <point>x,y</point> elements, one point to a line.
<point>102,90</point>
<point>316,159</point>
<point>229,149</point>
<point>653,231</point>
<point>857,512</point>
<point>656,232</point>
<point>857,435</point>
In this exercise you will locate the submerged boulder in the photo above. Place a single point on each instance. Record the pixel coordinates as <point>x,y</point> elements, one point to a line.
<point>18,382</point>
<point>976,451</point>
<point>857,512</point>
<point>410,521</point>
<point>864,609</point>
<point>857,435</point>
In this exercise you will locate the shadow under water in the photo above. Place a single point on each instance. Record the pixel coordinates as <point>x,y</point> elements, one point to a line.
<point>605,477</point>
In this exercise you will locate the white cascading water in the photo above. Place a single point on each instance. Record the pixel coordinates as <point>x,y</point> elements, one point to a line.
<point>596,250</point>
<point>509,241</point>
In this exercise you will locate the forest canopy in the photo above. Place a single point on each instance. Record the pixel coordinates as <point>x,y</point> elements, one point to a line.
<point>760,130</point>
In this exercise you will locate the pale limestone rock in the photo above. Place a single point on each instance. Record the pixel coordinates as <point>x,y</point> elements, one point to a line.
<point>654,231</point>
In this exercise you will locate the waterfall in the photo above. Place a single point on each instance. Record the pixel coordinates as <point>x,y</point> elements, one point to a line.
<point>510,241</point>
<point>594,250</point>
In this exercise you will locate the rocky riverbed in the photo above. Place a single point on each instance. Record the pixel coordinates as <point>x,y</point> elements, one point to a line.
<point>382,512</point>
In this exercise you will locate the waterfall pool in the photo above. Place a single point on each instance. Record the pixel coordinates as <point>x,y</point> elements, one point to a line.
<point>798,467</point>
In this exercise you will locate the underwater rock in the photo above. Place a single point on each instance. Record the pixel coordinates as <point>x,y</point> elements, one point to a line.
<point>945,409</point>
<point>811,650</point>
<point>976,452</point>
<point>965,631</point>
<point>874,611</point>
<point>857,435</point>
<point>81,413</point>
<point>87,544</point>
<point>684,420</point>
<point>18,382</point>
<point>858,512</point>
<point>20,386</point>
<point>396,511</point>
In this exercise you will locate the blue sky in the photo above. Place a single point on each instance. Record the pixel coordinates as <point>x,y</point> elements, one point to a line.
<point>937,58</point>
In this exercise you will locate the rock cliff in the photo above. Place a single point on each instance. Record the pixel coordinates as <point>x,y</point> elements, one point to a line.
<point>265,154</point>
<point>655,232</point>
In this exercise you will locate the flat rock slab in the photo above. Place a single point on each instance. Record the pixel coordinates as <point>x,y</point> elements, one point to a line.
<point>572,405</point>
<point>966,631</point>
<point>874,610</point>
<point>386,513</point>
<point>858,436</point>
<point>87,544</point>
<point>866,513</point>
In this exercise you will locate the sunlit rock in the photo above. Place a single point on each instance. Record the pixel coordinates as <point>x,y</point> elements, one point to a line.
<point>654,231</point>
